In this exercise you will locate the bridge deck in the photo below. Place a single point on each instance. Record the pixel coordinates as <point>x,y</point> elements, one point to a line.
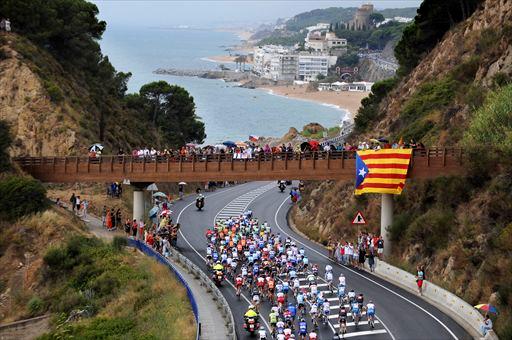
<point>224,167</point>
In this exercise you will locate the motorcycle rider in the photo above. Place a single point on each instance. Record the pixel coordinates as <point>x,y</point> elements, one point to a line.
<point>251,314</point>
<point>199,199</point>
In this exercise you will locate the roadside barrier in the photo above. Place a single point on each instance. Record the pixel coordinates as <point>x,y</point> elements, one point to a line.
<point>461,311</point>
<point>205,281</point>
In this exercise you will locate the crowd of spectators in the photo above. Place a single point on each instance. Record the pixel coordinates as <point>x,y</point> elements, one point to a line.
<point>161,236</point>
<point>114,190</point>
<point>111,218</point>
<point>366,247</point>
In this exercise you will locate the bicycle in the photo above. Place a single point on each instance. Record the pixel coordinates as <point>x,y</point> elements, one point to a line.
<point>371,320</point>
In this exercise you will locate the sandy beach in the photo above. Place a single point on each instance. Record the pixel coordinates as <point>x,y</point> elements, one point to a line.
<point>224,59</point>
<point>349,101</point>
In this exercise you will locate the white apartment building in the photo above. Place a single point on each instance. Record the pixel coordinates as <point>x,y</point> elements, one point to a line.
<point>283,67</point>
<point>263,56</point>
<point>319,42</point>
<point>310,66</point>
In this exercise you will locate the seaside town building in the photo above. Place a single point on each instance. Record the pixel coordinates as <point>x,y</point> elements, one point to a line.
<point>358,86</point>
<point>310,66</point>
<point>283,67</point>
<point>324,41</point>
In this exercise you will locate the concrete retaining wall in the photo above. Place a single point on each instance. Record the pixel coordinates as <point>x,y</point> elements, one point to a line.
<point>461,311</point>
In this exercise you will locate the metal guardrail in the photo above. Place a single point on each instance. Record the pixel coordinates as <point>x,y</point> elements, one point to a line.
<point>198,274</point>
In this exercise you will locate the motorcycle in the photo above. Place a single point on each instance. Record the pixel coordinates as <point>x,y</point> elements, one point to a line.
<point>218,277</point>
<point>251,326</point>
<point>200,203</point>
<point>282,187</point>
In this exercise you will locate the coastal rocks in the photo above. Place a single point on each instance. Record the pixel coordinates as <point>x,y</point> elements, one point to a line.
<point>290,135</point>
<point>312,128</point>
<point>226,75</point>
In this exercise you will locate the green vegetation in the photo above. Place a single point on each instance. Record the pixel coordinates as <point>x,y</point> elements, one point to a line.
<point>286,40</point>
<point>434,19</point>
<point>21,196</point>
<point>5,143</point>
<point>369,110</point>
<point>339,14</point>
<point>171,109</point>
<point>122,295</point>
<point>375,39</point>
<point>349,59</point>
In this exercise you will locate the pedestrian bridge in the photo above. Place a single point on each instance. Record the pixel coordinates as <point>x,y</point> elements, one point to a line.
<point>334,165</point>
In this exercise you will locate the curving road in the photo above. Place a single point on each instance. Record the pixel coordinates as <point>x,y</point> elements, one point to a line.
<point>401,315</point>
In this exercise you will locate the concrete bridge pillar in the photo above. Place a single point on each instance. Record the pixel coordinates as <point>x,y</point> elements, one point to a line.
<point>138,200</point>
<point>386,219</point>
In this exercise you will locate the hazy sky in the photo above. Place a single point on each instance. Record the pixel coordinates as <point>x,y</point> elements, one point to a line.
<point>204,13</point>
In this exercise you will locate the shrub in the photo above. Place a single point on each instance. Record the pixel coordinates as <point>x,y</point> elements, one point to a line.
<point>431,229</point>
<point>20,196</point>
<point>5,143</point>
<point>35,305</point>
<point>369,109</point>
<point>53,91</point>
<point>399,227</point>
<point>491,126</point>
<point>119,242</point>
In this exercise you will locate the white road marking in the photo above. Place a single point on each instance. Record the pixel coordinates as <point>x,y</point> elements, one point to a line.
<point>204,259</point>
<point>362,333</point>
<point>352,324</point>
<point>366,278</point>
<point>239,205</point>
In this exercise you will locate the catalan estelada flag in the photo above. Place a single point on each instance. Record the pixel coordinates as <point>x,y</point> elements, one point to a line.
<point>382,171</point>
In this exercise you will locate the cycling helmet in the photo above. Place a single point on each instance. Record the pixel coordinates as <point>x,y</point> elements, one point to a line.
<point>302,320</point>
<point>251,307</point>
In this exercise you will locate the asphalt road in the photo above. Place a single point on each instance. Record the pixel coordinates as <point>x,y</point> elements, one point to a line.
<point>401,315</point>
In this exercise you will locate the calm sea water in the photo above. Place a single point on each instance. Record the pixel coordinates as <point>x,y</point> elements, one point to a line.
<point>229,112</point>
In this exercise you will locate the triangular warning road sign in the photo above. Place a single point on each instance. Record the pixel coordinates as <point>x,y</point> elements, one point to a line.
<point>359,219</point>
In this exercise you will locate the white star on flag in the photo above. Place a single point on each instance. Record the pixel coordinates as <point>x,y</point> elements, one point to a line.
<point>362,172</point>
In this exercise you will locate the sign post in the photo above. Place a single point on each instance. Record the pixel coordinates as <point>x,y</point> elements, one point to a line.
<point>359,220</point>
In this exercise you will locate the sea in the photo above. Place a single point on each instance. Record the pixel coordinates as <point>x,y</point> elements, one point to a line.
<point>228,111</point>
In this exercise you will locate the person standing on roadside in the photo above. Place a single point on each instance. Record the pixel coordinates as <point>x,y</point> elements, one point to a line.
<point>72,200</point>
<point>85,205</point>
<point>78,202</point>
<point>371,260</point>
<point>420,277</point>
<point>380,248</point>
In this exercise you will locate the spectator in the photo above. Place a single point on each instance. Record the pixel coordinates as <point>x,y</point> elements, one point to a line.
<point>72,200</point>
<point>118,217</point>
<point>135,225</point>
<point>371,260</point>
<point>487,325</point>
<point>380,248</point>
<point>104,216</point>
<point>5,25</point>
<point>78,202</point>
<point>85,205</point>
<point>420,277</point>
<point>108,220</point>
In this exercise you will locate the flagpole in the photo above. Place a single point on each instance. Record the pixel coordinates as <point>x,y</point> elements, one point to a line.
<point>386,219</point>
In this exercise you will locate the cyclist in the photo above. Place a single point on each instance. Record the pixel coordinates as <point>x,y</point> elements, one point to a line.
<point>342,318</point>
<point>300,302</point>
<point>239,281</point>
<point>262,333</point>
<point>356,313</point>
<point>303,329</point>
<point>256,297</point>
<point>351,296</point>
<point>360,300</point>
<point>313,312</point>
<point>272,318</point>
<point>326,312</point>
<point>370,313</point>
<point>293,311</point>
<point>341,293</point>
<point>329,278</point>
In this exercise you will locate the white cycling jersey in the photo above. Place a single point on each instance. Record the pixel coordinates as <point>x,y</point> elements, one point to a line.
<point>342,280</point>
<point>328,276</point>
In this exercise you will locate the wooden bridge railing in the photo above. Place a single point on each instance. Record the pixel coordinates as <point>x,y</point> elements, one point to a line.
<point>308,165</point>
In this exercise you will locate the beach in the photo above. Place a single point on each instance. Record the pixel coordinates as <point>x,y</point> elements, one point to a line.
<point>225,59</point>
<point>346,100</point>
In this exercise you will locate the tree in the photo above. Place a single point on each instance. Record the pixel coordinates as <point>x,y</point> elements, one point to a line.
<point>434,19</point>
<point>155,93</point>
<point>375,18</point>
<point>178,122</point>
<point>5,143</point>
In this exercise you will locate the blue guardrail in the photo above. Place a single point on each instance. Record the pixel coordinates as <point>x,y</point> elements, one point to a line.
<point>152,253</point>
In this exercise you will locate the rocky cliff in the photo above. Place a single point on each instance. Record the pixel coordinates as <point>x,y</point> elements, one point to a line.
<point>52,111</point>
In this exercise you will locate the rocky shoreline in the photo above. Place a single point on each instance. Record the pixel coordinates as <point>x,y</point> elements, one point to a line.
<point>246,79</point>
